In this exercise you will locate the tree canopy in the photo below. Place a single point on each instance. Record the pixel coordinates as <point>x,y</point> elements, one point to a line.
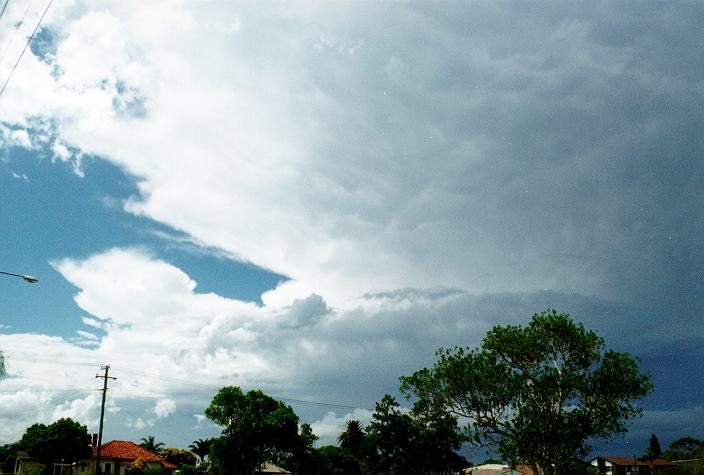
<point>179,457</point>
<point>653,451</point>
<point>65,440</point>
<point>200,447</point>
<point>149,443</point>
<point>256,428</point>
<point>535,393</point>
<point>395,441</point>
<point>352,437</point>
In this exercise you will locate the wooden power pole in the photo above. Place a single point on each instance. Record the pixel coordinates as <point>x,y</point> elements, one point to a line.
<point>105,377</point>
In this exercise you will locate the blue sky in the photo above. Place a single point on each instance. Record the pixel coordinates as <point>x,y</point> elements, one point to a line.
<point>310,198</point>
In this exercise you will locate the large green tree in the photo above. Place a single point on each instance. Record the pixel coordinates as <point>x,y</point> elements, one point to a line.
<point>398,442</point>
<point>65,440</point>
<point>536,393</point>
<point>256,428</point>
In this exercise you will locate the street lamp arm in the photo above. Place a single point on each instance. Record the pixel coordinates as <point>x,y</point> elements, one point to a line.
<point>26,278</point>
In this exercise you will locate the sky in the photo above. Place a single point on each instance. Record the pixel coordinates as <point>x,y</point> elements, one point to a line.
<point>311,198</point>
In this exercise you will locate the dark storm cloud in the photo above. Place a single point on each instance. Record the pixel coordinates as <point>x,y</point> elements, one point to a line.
<point>544,145</point>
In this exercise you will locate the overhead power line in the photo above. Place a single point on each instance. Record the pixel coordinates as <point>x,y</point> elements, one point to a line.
<point>29,40</point>
<point>14,33</point>
<point>210,386</point>
<point>3,8</point>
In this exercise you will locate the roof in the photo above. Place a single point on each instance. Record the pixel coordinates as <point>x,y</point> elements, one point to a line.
<point>126,450</point>
<point>616,460</point>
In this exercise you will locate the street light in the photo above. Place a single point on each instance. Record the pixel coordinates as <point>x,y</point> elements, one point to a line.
<point>26,278</point>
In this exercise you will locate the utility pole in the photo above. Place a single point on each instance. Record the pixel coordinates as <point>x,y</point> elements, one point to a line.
<point>105,377</point>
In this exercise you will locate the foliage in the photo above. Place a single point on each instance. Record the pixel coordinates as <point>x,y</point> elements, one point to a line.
<point>8,454</point>
<point>205,467</point>
<point>397,442</point>
<point>684,448</point>
<point>256,428</point>
<point>138,467</point>
<point>302,460</point>
<point>154,471</point>
<point>535,393</point>
<point>201,448</point>
<point>653,451</point>
<point>352,438</point>
<point>334,460</point>
<point>65,440</point>
<point>187,469</point>
<point>179,456</point>
<point>149,443</point>
<point>2,365</point>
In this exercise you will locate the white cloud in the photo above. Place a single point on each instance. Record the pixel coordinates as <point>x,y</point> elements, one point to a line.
<point>140,423</point>
<point>331,425</point>
<point>164,408</point>
<point>81,409</point>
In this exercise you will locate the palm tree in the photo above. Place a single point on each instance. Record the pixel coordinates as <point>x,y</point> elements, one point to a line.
<point>352,437</point>
<point>151,444</point>
<point>201,448</point>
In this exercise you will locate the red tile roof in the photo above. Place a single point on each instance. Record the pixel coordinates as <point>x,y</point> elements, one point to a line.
<point>129,451</point>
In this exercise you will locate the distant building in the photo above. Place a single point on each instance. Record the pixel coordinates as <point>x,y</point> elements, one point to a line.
<point>495,469</point>
<point>117,455</point>
<point>613,465</point>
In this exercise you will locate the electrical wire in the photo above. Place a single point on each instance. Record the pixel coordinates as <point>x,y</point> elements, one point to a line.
<point>14,33</point>
<point>3,8</point>
<point>31,37</point>
<point>210,386</point>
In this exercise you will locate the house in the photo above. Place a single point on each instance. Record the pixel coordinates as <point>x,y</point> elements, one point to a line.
<point>612,465</point>
<point>117,455</point>
<point>24,464</point>
<point>495,469</point>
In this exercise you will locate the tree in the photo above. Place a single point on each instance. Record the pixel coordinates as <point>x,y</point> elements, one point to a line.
<point>684,448</point>
<point>535,393</point>
<point>653,451</point>
<point>2,365</point>
<point>335,460</point>
<point>352,438</point>
<point>179,457</point>
<point>256,428</point>
<point>65,440</point>
<point>201,448</point>
<point>138,467</point>
<point>302,460</point>
<point>398,442</point>
<point>151,444</point>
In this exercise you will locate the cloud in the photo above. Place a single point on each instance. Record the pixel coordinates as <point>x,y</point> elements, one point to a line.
<point>430,172</point>
<point>139,423</point>
<point>164,408</point>
<point>420,174</point>
<point>331,425</point>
